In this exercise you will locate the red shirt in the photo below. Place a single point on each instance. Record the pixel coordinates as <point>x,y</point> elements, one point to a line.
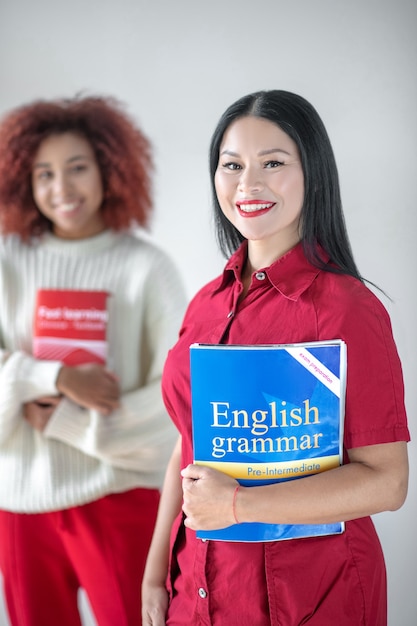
<point>326,580</point>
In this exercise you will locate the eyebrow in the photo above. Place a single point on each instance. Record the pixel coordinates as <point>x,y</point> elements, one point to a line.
<point>261,153</point>
<point>76,157</point>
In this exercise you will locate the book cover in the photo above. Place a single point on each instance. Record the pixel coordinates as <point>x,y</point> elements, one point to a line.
<point>268,413</point>
<point>71,326</point>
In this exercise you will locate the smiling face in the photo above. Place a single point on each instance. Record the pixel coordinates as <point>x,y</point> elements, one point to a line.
<point>67,186</point>
<point>260,186</point>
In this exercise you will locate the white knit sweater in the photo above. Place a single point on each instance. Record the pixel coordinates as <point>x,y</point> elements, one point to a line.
<point>82,455</point>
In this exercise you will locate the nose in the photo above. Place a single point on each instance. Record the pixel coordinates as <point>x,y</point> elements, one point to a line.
<point>250,180</point>
<point>62,186</point>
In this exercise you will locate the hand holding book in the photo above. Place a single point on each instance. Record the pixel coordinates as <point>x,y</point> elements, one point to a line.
<point>208,498</point>
<point>90,385</point>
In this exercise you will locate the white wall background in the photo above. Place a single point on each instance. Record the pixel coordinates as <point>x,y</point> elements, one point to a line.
<point>178,64</point>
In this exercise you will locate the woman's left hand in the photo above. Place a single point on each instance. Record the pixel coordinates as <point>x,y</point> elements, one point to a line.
<point>39,411</point>
<point>208,498</point>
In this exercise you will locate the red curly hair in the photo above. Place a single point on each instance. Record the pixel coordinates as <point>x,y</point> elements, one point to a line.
<point>123,154</point>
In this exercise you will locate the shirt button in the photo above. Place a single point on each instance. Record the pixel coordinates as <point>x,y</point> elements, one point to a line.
<point>230,314</point>
<point>202,593</point>
<point>260,275</point>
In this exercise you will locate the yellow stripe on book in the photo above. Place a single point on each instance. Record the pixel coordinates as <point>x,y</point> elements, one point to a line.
<point>282,469</point>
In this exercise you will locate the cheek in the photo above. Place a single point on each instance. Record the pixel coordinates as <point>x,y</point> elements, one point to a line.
<point>96,188</point>
<point>224,190</point>
<point>294,192</point>
<point>297,197</point>
<point>39,195</point>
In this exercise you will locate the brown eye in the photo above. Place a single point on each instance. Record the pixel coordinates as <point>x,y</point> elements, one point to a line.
<point>272,164</point>
<point>78,168</point>
<point>43,175</point>
<point>231,166</point>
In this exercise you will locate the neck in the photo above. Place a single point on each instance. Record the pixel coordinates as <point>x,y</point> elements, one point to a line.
<point>259,256</point>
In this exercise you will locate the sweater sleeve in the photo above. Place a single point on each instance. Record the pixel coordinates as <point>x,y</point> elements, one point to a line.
<point>129,438</point>
<point>22,379</point>
<point>140,435</point>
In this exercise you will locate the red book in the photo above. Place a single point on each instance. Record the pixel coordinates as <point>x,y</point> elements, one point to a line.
<point>71,326</point>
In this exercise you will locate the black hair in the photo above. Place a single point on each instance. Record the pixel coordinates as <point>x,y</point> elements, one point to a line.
<point>322,221</point>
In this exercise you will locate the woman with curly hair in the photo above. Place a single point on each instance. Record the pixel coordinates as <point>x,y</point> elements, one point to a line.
<point>82,447</point>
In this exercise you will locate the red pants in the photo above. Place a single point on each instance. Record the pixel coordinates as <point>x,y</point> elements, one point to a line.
<point>102,547</point>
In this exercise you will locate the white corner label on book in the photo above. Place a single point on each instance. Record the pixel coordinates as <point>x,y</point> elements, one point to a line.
<point>313,365</point>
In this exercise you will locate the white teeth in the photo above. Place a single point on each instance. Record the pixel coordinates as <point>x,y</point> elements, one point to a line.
<point>251,208</point>
<point>66,208</point>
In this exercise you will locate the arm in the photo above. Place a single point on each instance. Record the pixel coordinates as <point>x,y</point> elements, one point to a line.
<point>90,386</point>
<point>138,436</point>
<point>375,480</point>
<point>154,593</point>
<point>30,383</point>
<point>23,379</point>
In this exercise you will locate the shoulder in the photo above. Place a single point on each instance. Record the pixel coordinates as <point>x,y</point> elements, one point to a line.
<point>152,267</point>
<point>14,251</point>
<point>11,243</point>
<point>145,256</point>
<point>142,245</point>
<point>342,291</point>
<point>346,303</point>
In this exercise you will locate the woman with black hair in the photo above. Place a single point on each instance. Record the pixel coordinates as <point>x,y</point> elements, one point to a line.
<point>290,278</point>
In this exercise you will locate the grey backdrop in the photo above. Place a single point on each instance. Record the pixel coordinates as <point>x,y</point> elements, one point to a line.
<point>178,64</point>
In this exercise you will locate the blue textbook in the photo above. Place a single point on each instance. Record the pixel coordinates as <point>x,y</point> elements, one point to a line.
<point>268,413</point>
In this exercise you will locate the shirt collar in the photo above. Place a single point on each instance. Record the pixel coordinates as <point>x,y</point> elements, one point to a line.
<point>291,274</point>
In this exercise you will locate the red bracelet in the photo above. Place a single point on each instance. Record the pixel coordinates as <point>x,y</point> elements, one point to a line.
<point>234,504</point>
